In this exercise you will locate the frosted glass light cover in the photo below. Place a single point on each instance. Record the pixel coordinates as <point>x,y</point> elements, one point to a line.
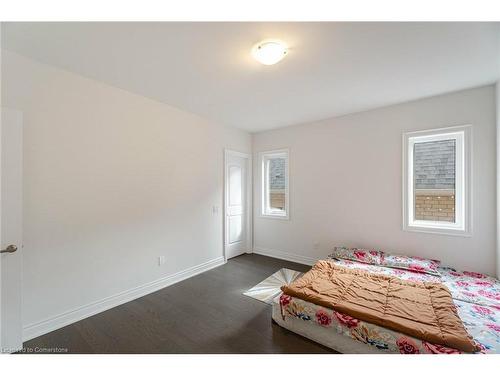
<point>269,52</point>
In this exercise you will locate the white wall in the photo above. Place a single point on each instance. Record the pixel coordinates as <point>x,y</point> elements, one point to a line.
<point>345,183</point>
<point>112,180</point>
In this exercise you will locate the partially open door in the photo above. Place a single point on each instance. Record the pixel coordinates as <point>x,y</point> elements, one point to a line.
<point>237,209</point>
<point>11,199</point>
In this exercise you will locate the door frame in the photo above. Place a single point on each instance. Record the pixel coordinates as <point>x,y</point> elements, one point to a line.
<point>1,328</point>
<point>248,200</point>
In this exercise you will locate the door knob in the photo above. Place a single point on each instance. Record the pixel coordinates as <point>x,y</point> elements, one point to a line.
<point>9,249</point>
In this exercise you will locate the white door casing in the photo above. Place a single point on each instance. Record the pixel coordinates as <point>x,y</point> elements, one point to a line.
<point>237,195</point>
<point>11,141</point>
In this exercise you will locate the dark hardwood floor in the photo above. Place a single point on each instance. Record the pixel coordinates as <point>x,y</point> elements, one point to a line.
<point>204,314</point>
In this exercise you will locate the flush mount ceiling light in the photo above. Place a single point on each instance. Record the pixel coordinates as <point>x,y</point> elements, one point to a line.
<point>269,52</point>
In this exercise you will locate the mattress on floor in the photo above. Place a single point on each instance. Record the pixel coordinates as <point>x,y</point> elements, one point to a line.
<point>327,337</point>
<point>476,296</point>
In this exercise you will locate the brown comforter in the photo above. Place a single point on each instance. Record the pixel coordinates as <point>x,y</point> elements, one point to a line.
<point>422,310</point>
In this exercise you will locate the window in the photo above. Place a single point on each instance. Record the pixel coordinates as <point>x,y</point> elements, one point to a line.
<point>275,183</point>
<point>436,182</point>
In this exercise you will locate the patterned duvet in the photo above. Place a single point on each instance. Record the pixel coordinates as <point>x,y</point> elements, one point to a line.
<point>476,296</point>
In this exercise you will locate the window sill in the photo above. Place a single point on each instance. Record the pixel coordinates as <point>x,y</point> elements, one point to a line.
<point>275,217</point>
<point>440,231</point>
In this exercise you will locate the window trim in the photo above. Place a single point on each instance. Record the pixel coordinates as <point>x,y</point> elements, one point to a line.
<point>264,197</point>
<point>463,181</point>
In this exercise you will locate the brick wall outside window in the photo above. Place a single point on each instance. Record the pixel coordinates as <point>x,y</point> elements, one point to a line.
<point>435,206</point>
<point>278,199</point>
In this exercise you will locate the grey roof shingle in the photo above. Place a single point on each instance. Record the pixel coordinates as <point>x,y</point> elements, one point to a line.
<point>277,173</point>
<point>434,164</point>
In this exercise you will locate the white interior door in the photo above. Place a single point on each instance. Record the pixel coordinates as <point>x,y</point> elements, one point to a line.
<point>11,136</point>
<point>237,234</point>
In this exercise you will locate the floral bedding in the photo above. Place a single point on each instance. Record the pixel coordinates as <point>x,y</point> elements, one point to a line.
<point>380,258</point>
<point>359,255</point>
<point>415,264</point>
<point>476,296</point>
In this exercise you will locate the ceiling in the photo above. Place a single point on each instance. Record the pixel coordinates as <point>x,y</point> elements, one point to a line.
<point>332,69</point>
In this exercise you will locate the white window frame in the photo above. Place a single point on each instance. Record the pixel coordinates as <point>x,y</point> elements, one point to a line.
<point>266,210</point>
<point>463,181</point>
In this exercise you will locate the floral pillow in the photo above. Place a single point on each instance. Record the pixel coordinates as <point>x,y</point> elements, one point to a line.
<point>358,255</point>
<point>415,264</point>
<point>379,258</point>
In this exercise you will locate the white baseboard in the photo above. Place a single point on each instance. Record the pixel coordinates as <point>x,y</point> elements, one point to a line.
<point>285,256</point>
<point>33,330</point>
